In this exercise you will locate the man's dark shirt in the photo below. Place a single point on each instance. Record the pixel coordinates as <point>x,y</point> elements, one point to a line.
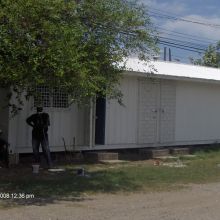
<point>40,123</point>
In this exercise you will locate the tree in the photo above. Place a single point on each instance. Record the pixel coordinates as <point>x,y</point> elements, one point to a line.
<point>75,45</point>
<point>210,58</point>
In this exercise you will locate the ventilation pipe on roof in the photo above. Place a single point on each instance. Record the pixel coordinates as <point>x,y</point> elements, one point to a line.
<point>165,54</point>
<point>170,57</point>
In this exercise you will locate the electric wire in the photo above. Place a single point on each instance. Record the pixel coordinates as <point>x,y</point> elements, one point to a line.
<point>176,15</point>
<point>176,41</point>
<point>181,47</point>
<point>164,33</point>
<point>194,21</point>
<point>187,43</point>
<point>208,40</point>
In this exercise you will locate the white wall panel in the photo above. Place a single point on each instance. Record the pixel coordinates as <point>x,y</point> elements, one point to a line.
<point>197,111</point>
<point>121,121</point>
<point>69,123</point>
<point>142,120</point>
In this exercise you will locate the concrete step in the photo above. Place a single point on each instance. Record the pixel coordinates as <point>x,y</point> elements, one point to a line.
<point>180,151</point>
<point>153,153</point>
<point>100,156</point>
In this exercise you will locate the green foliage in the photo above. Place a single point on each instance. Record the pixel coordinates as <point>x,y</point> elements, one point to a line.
<point>210,58</point>
<point>73,45</point>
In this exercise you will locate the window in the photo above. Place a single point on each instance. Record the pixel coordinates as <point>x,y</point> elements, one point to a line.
<point>46,98</point>
<point>60,99</point>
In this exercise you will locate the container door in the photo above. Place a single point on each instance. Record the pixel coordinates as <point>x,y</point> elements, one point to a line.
<point>100,121</point>
<point>148,111</point>
<point>167,111</point>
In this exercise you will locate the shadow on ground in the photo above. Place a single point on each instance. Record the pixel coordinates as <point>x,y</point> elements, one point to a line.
<point>50,187</point>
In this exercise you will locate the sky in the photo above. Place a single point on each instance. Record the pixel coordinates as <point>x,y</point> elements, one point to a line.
<point>191,33</point>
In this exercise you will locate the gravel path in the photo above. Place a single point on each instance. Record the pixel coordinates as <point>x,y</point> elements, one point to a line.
<point>198,202</point>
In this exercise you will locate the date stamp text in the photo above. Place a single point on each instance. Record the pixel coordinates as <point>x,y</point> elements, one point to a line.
<point>20,195</point>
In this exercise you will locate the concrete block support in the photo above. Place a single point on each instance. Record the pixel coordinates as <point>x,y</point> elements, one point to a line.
<point>99,156</point>
<point>153,153</point>
<point>180,151</point>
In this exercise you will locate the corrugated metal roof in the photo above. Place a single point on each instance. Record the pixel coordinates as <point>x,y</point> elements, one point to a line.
<point>170,69</point>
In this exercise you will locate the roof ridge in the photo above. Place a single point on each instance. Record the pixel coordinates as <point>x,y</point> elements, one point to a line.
<point>171,62</point>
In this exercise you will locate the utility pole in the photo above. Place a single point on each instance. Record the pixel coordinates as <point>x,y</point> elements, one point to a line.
<point>170,57</point>
<point>165,54</point>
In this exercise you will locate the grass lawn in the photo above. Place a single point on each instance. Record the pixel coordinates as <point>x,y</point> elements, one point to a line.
<point>126,177</point>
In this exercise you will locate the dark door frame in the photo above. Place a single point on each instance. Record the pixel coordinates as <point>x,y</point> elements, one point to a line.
<point>100,121</point>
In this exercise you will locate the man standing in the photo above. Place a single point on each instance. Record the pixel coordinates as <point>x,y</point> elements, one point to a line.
<point>40,122</point>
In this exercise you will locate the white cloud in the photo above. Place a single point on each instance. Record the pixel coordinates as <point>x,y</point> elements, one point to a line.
<point>196,29</point>
<point>171,6</point>
<point>177,9</point>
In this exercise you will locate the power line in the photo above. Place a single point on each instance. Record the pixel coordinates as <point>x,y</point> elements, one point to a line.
<point>184,20</point>
<point>184,34</point>
<point>180,47</point>
<point>176,56</point>
<point>184,37</point>
<point>201,46</point>
<point>179,40</point>
<point>184,45</point>
<point>164,15</point>
<point>177,15</point>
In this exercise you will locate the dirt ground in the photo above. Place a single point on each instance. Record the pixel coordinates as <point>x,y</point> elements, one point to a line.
<point>196,202</point>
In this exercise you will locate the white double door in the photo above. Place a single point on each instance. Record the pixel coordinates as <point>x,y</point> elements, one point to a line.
<point>156,115</point>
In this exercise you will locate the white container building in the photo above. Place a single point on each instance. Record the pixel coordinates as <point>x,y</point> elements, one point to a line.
<point>165,104</point>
